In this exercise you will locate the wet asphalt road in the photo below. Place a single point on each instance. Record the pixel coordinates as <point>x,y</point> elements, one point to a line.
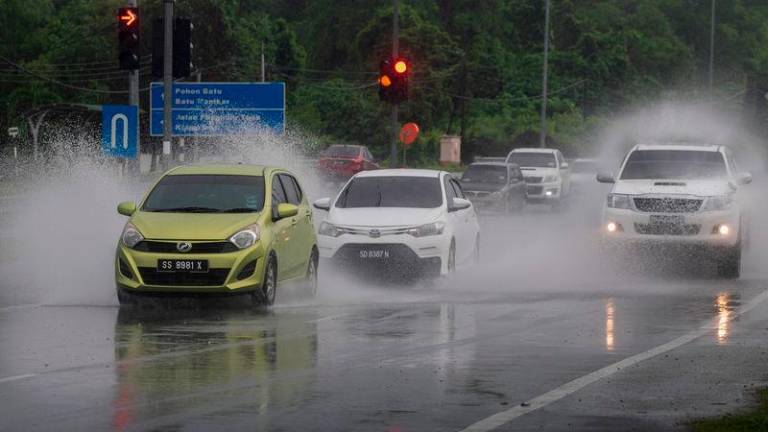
<point>541,311</point>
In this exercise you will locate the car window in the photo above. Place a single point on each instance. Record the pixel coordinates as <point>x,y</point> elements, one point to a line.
<point>342,151</point>
<point>395,191</point>
<point>532,159</point>
<point>206,194</point>
<point>494,174</point>
<point>673,164</point>
<point>291,194</point>
<point>278,194</point>
<point>457,188</point>
<point>296,185</point>
<point>450,192</point>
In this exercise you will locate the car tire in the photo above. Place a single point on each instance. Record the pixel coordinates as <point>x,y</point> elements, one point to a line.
<point>729,263</point>
<point>452,257</point>
<point>269,286</point>
<point>125,298</point>
<point>311,280</point>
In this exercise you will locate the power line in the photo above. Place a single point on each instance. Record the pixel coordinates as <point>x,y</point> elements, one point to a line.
<point>60,83</point>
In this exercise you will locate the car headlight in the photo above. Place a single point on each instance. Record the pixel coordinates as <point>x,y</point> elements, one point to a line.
<point>430,229</point>
<point>329,230</point>
<point>722,202</point>
<point>246,237</point>
<point>550,179</point>
<point>131,235</point>
<point>619,201</point>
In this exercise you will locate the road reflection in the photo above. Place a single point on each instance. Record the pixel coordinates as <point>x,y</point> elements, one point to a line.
<point>725,304</point>
<point>168,364</point>
<point>610,311</point>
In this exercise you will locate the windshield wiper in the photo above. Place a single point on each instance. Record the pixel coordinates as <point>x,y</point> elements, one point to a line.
<point>239,210</point>
<point>187,210</point>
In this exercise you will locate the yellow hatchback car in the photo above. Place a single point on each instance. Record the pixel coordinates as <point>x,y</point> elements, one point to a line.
<point>207,230</point>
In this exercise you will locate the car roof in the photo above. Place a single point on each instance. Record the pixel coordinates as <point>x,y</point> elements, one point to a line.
<point>533,150</point>
<point>493,164</point>
<point>221,169</point>
<point>679,146</point>
<point>400,172</point>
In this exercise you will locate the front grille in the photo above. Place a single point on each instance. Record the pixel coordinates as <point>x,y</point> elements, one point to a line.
<point>397,260</point>
<point>214,277</point>
<point>534,190</point>
<point>667,229</point>
<point>668,205</point>
<point>533,179</point>
<point>199,247</point>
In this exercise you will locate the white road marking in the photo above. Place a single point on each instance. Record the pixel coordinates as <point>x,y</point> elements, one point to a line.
<point>16,378</point>
<point>499,419</point>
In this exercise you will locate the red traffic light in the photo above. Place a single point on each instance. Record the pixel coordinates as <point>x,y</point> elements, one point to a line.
<point>127,16</point>
<point>401,66</point>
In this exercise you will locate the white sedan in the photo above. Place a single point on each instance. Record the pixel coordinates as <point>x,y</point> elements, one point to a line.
<point>405,221</point>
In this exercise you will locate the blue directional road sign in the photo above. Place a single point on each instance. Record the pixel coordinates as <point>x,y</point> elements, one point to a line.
<point>216,109</point>
<point>120,130</point>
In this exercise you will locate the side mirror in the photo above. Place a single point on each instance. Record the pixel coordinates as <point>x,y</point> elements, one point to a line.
<point>744,178</point>
<point>605,178</point>
<point>564,165</point>
<point>459,204</point>
<point>322,204</point>
<point>285,210</point>
<point>126,208</point>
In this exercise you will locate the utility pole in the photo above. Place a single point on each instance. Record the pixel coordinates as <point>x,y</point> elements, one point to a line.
<point>263,70</point>
<point>712,48</point>
<point>544,78</point>
<point>133,92</point>
<point>167,83</point>
<point>395,49</point>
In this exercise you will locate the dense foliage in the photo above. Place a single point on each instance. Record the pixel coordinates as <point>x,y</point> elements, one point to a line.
<point>476,65</point>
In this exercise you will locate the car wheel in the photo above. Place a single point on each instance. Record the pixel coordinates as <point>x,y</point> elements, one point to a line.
<point>269,287</point>
<point>125,298</point>
<point>452,257</point>
<point>311,279</point>
<point>729,264</point>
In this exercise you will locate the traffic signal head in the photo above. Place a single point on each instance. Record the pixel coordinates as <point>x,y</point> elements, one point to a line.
<point>128,37</point>
<point>393,80</point>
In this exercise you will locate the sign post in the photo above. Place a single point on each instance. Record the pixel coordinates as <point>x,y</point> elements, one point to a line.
<point>408,134</point>
<point>218,109</point>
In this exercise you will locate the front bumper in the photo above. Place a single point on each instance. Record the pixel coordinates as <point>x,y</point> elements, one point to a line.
<point>698,228</point>
<point>136,272</point>
<point>543,191</point>
<point>401,253</point>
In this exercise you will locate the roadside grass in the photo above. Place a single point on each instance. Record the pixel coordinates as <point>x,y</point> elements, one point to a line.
<point>755,420</point>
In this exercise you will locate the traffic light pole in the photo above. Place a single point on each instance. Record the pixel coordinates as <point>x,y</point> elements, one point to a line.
<point>395,49</point>
<point>544,79</point>
<point>133,88</point>
<point>167,82</point>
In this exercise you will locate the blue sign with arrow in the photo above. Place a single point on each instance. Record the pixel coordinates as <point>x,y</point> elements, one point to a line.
<point>120,130</point>
<point>215,109</point>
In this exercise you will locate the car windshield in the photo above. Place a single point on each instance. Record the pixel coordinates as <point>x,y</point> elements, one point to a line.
<point>485,174</point>
<point>339,151</point>
<point>532,159</point>
<point>207,194</point>
<point>400,191</point>
<point>673,164</point>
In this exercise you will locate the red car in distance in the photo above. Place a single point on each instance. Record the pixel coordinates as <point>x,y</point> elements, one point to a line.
<point>344,161</point>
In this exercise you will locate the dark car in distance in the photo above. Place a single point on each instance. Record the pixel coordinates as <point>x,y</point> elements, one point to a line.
<point>494,186</point>
<point>343,161</point>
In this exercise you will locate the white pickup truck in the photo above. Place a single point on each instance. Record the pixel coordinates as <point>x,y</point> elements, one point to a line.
<point>680,194</point>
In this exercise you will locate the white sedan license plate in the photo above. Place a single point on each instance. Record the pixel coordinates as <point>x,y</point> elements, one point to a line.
<point>374,254</point>
<point>182,266</point>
